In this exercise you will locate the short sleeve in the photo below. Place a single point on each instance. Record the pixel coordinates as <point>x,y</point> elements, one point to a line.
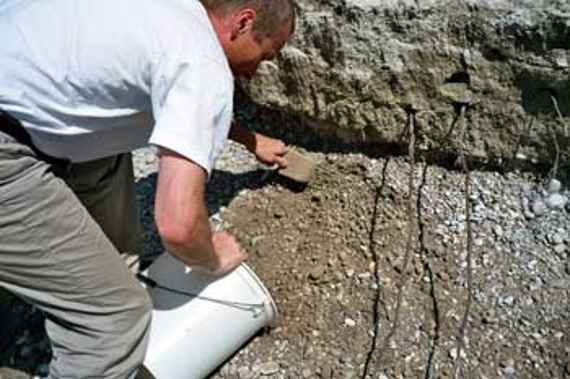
<point>192,107</point>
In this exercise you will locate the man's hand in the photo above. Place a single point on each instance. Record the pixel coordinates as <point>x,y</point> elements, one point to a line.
<point>228,253</point>
<point>182,218</point>
<point>270,151</point>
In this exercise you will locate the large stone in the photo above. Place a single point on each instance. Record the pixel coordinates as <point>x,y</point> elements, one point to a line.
<point>357,67</point>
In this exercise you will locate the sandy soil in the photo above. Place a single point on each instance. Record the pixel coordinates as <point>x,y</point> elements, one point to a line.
<point>333,256</point>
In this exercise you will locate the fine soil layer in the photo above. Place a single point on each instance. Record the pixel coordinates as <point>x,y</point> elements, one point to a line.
<point>373,281</point>
<point>334,257</point>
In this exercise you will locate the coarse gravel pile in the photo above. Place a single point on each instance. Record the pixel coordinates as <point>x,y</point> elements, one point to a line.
<point>333,256</point>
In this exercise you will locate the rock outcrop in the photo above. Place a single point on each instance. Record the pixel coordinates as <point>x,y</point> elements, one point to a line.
<point>356,69</point>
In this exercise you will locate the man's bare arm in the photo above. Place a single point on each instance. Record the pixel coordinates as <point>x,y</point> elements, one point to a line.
<point>243,136</point>
<point>182,217</point>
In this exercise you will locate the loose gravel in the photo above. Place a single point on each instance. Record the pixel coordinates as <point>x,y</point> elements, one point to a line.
<point>332,255</point>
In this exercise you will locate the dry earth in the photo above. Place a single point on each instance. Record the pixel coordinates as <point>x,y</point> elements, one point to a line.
<point>333,256</point>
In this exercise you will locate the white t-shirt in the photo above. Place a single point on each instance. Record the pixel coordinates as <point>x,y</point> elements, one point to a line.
<point>93,78</point>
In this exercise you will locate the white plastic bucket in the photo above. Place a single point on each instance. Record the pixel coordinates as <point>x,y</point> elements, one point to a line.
<point>190,336</point>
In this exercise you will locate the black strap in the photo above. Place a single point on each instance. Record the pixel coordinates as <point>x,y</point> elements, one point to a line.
<point>12,127</point>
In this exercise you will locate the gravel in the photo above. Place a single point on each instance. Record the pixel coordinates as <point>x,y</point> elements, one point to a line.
<point>335,275</point>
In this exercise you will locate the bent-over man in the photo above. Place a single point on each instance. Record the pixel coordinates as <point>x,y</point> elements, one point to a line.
<point>83,83</point>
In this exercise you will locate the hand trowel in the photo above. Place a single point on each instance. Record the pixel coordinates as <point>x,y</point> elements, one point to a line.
<point>299,167</point>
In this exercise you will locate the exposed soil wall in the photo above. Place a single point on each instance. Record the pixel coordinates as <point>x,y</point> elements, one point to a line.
<point>356,68</point>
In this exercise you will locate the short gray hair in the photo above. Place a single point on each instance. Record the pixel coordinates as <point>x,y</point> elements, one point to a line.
<point>271,14</point>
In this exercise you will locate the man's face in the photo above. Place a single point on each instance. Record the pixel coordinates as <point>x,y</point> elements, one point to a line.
<point>248,51</point>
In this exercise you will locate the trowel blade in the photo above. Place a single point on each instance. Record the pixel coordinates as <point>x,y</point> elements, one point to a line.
<point>299,168</point>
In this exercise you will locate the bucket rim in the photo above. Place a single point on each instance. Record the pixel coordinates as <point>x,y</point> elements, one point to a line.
<point>269,304</point>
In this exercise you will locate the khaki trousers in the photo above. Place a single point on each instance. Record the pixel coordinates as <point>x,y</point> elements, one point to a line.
<point>106,188</point>
<point>60,237</point>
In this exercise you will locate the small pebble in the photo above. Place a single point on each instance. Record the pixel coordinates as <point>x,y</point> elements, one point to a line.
<point>498,231</point>
<point>563,284</point>
<point>539,208</point>
<point>245,373</point>
<point>317,272</point>
<point>508,301</point>
<point>349,322</point>
<point>554,186</point>
<point>509,370</point>
<point>453,353</point>
<point>556,201</point>
<point>327,372</point>
<point>269,368</point>
<point>508,363</point>
<point>556,238</point>
<point>560,249</point>
<point>528,215</point>
<point>489,317</point>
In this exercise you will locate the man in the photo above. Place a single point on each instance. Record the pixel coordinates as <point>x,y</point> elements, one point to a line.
<point>82,83</point>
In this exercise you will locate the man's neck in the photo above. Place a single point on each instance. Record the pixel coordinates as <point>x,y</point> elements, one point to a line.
<point>221,28</point>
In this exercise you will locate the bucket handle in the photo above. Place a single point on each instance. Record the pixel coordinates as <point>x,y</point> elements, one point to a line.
<point>255,308</point>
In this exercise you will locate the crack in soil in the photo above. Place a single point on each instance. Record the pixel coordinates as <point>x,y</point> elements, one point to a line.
<point>376,261</point>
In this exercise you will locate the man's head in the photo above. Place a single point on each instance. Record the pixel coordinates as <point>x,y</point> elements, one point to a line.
<point>251,31</point>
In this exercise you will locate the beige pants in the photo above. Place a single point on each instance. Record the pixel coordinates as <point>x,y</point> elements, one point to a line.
<point>59,251</point>
<point>106,187</point>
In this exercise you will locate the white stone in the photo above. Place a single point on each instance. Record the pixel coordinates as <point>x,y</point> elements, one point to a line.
<point>269,368</point>
<point>245,373</point>
<point>560,58</point>
<point>498,231</point>
<point>509,370</point>
<point>556,238</point>
<point>453,353</point>
<point>556,201</point>
<point>554,186</point>
<point>539,208</point>
<point>349,322</point>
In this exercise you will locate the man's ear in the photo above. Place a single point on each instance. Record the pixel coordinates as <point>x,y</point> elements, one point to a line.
<point>243,22</point>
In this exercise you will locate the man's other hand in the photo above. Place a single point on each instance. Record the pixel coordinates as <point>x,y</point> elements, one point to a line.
<point>270,151</point>
<point>228,253</point>
<point>182,218</point>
